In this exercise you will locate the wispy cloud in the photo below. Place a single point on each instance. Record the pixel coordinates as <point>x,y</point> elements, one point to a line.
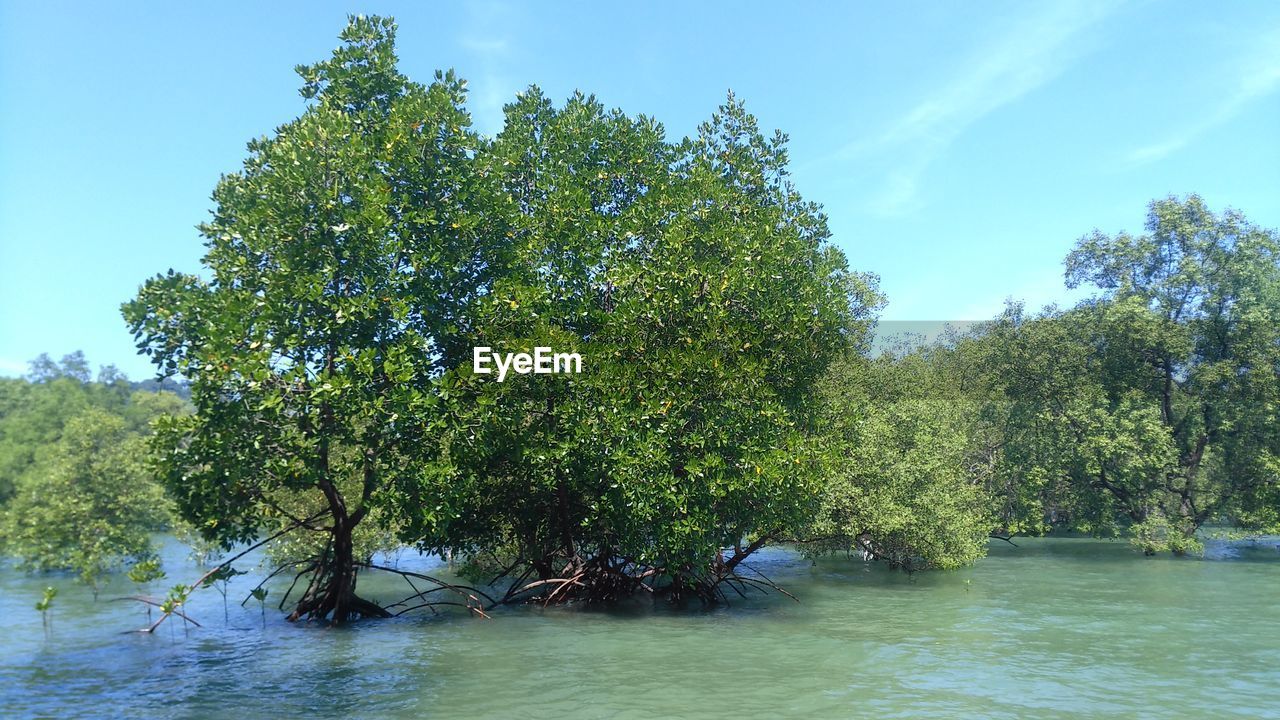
<point>488,40</point>
<point>1031,53</point>
<point>1258,77</point>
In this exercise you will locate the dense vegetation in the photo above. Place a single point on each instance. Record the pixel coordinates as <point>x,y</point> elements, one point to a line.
<point>702,292</point>
<point>75,492</point>
<point>729,397</point>
<point>910,462</point>
<point>1151,407</point>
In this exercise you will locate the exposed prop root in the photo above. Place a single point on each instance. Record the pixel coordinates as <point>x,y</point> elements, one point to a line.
<point>471,596</point>
<point>331,593</point>
<point>328,603</point>
<point>605,578</point>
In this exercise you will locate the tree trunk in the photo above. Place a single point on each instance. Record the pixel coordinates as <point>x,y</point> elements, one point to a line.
<point>332,590</point>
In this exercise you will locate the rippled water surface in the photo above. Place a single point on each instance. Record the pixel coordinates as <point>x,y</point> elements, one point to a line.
<point>1058,628</point>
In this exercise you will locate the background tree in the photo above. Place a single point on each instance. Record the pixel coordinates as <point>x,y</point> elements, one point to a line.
<point>1151,406</point>
<point>342,259</point>
<point>1079,457</point>
<point>35,409</point>
<point>76,496</point>
<point>87,506</point>
<point>911,461</point>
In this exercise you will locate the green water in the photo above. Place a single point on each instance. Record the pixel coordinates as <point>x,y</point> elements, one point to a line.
<point>1061,628</point>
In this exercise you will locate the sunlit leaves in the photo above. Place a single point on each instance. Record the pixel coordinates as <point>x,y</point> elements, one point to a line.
<point>704,300</point>
<point>908,466</point>
<point>342,258</point>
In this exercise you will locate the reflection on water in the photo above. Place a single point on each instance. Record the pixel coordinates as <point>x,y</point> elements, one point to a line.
<point>1050,628</point>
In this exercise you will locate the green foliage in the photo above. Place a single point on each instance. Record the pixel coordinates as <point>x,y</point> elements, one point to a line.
<point>1158,533</point>
<point>174,603</point>
<point>1151,407</point>
<point>142,573</point>
<point>910,463</point>
<point>260,594</point>
<point>344,258</point>
<point>146,571</point>
<point>71,449</point>
<point>222,574</point>
<point>34,409</point>
<point>46,599</point>
<point>369,244</point>
<point>88,505</point>
<point>375,534</point>
<point>702,294</point>
<point>220,579</point>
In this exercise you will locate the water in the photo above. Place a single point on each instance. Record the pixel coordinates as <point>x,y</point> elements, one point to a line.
<point>1055,628</point>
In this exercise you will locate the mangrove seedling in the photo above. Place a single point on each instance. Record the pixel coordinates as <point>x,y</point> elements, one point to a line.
<point>260,594</point>
<point>142,573</point>
<point>218,580</point>
<point>44,604</point>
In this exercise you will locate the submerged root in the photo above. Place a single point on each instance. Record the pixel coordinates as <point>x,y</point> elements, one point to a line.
<point>420,599</point>
<point>331,595</point>
<point>606,579</point>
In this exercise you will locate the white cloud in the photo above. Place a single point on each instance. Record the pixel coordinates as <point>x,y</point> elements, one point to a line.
<point>1259,77</point>
<point>488,40</point>
<point>1031,53</point>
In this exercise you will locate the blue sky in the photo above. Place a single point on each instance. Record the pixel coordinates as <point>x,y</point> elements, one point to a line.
<point>959,148</point>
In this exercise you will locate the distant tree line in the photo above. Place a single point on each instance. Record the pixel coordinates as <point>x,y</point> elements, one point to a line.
<point>729,399</point>
<point>75,493</point>
<point>1150,409</point>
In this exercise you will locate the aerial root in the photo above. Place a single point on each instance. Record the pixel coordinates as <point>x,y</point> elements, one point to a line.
<point>604,579</point>
<point>470,596</point>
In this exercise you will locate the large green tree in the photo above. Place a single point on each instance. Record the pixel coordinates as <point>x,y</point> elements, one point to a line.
<point>369,245</point>
<point>705,301</point>
<point>1153,405</point>
<point>342,260</point>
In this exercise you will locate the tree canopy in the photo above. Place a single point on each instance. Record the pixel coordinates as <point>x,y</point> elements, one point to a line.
<point>343,258</point>
<point>727,396</point>
<point>367,246</point>
<point>911,462</point>
<point>79,496</point>
<point>1152,406</point>
<point>702,293</point>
